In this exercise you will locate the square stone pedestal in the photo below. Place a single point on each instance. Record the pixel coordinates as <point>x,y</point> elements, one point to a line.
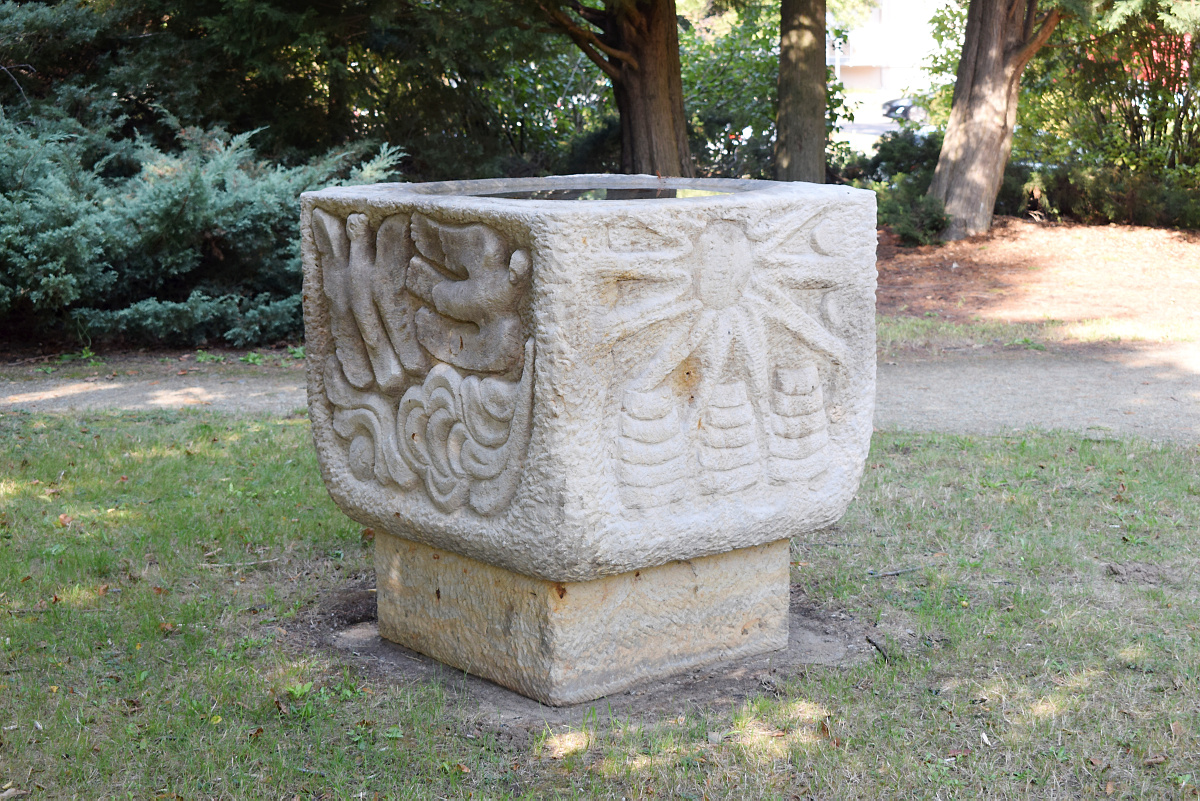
<point>573,641</point>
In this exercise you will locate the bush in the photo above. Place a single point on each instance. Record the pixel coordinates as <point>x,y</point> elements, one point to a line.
<point>100,237</point>
<point>914,216</point>
<point>1099,195</point>
<point>900,173</point>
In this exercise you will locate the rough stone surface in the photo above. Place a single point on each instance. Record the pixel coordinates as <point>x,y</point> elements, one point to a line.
<point>570,390</point>
<point>567,642</point>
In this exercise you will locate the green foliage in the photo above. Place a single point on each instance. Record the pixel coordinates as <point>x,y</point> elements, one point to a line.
<point>730,80</point>
<point>196,245</point>
<point>1110,121</point>
<point>312,74</point>
<point>133,205</point>
<point>556,113</point>
<point>917,218</point>
<point>900,173</point>
<point>1109,118</point>
<point>948,26</point>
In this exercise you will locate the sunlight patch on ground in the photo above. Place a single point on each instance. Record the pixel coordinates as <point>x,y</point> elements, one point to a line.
<point>188,396</point>
<point>62,391</point>
<point>1107,329</point>
<point>562,745</point>
<point>8,488</point>
<point>806,711</point>
<point>1047,706</point>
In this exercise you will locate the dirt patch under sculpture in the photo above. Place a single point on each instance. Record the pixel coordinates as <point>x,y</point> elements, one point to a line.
<point>344,621</point>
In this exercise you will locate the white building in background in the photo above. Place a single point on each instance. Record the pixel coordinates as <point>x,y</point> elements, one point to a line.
<point>884,56</point>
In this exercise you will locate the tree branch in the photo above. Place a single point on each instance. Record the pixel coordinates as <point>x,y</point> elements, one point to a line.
<point>592,15</point>
<point>589,42</point>
<point>1031,46</point>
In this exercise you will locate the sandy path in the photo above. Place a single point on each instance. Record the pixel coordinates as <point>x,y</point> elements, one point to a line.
<point>277,394</point>
<point>1151,392</point>
<point>1148,391</point>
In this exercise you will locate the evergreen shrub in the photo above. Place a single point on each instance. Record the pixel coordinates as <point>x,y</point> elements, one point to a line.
<point>900,173</point>
<point>102,237</point>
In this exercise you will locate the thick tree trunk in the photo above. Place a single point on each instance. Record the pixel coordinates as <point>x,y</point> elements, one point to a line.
<point>800,120</point>
<point>1002,35</point>
<point>637,46</point>
<point>650,95</point>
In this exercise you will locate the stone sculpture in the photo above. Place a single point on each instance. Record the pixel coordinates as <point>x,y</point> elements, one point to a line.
<point>558,413</point>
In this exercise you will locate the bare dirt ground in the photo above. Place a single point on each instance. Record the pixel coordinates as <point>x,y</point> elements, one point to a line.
<point>1023,271</point>
<point>345,621</point>
<point>1123,304</point>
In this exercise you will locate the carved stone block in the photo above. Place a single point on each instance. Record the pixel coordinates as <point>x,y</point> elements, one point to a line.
<point>586,376</point>
<point>567,642</point>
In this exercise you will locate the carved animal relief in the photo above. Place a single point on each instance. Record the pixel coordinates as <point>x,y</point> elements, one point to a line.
<point>432,376</point>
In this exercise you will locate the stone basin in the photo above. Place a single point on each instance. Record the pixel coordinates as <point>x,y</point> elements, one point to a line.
<point>585,414</point>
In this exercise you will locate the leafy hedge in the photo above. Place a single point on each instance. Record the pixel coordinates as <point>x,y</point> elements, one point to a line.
<point>102,237</point>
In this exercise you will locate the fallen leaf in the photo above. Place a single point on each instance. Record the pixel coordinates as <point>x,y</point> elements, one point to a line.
<point>159,590</point>
<point>1154,759</point>
<point>827,733</point>
<point>13,792</point>
<point>256,732</point>
<point>1109,788</point>
<point>102,590</point>
<point>461,768</point>
<point>166,628</point>
<point>65,520</point>
<point>1096,761</point>
<point>1177,730</point>
<point>959,752</point>
<point>368,535</point>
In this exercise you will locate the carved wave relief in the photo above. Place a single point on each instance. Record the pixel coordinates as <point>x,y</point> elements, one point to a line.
<point>431,378</point>
<point>754,414</point>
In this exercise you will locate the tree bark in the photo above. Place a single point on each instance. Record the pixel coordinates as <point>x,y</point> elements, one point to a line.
<point>1002,36</point>
<point>637,46</point>
<point>339,114</point>
<point>800,119</point>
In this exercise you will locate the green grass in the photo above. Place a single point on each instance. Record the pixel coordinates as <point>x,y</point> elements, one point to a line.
<point>931,332</point>
<point>130,667</point>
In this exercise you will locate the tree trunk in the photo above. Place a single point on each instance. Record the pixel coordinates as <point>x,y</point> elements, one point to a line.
<point>800,120</point>
<point>638,48</point>
<point>339,115</point>
<point>1002,36</point>
<point>650,95</point>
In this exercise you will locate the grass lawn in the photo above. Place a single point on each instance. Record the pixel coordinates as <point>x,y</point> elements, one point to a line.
<point>1036,597</point>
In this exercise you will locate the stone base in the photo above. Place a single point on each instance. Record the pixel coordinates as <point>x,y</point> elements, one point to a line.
<point>568,642</point>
